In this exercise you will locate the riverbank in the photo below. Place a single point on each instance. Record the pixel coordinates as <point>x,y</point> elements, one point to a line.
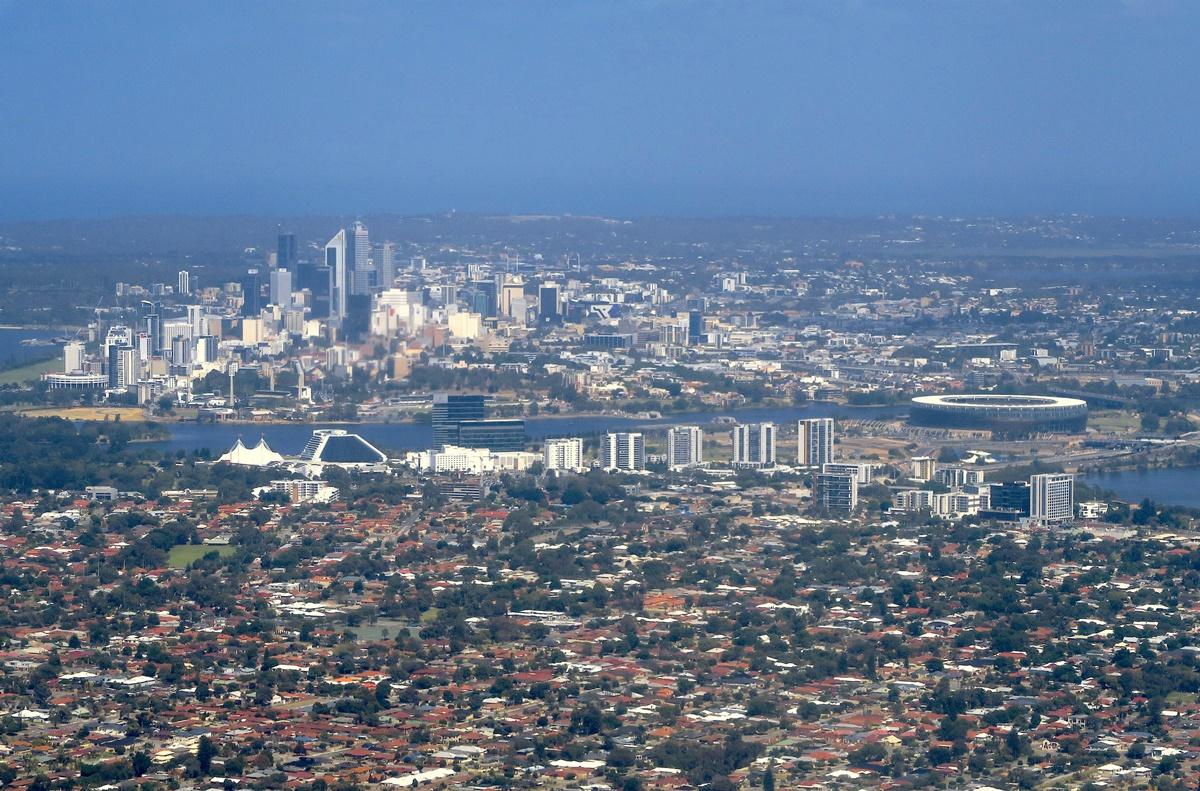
<point>29,371</point>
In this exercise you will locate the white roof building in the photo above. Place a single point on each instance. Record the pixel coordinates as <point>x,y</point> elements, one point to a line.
<point>260,455</point>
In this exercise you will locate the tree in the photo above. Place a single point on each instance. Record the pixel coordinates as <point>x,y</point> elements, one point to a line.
<point>140,761</point>
<point>204,754</point>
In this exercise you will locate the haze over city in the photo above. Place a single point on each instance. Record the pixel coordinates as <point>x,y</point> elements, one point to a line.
<point>618,108</point>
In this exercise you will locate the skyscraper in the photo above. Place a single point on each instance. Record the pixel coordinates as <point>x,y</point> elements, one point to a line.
<point>335,261</point>
<point>1052,497</point>
<point>623,451</point>
<point>251,293</point>
<point>549,304</point>
<point>358,256</point>
<point>815,441</point>
<point>281,287</point>
<point>387,265</point>
<point>123,367</point>
<point>484,301</point>
<point>285,251</point>
<point>511,294</point>
<point>685,446</point>
<point>754,445</point>
<point>184,286</point>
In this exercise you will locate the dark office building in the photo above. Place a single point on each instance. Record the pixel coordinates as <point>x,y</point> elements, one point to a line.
<point>609,340</point>
<point>285,251</point>
<point>1007,501</point>
<point>499,434</point>
<point>484,299</point>
<point>358,316</point>
<point>549,304</point>
<point>318,281</point>
<point>450,410</point>
<point>252,301</point>
<point>697,307</point>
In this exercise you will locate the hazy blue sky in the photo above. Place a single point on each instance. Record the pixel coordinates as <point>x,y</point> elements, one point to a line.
<point>605,107</point>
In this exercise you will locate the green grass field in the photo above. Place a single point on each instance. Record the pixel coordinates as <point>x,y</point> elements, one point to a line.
<point>26,373</point>
<point>181,556</point>
<point>1114,421</point>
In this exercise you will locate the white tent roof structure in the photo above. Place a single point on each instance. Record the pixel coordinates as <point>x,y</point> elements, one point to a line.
<point>260,455</point>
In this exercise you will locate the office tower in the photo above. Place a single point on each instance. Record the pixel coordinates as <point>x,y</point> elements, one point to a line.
<point>251,293</point>
<point>335,262</point>
<point>484,300</point>
<point>181,350</point>
<point>387,265</point>
<point>317,280</point>
<point>73,357</point>
<point>685,446</point>
<point>1009,497</point>
<point>117,335</point>
<point>197,320</point>
<point>511,289</point>
<point>754,445</point>
<point>549,303</point>
<point>923,468</point>
<point>1052,497</point>
<point>623,451</point>
<point>152,323</point>
<point>357,321</point>
<point>123,367</point>
<point>285,251</point>
<point>449,410</point>
<point>835,491</point>
<point>696,308</point>
<point>184,285</point>
<point>495,434</point>
<point>358,258</point>
<point>293,321</point>
<point>673,331</point>
<point>815,442</point>
<point>564,454</point>
<point>143,346</point>
<point>281,287</point>
<point>206,349</point>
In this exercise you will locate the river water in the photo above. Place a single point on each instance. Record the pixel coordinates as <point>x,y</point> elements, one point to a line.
<point>289,438</point>
<point>13,353</point>
<point>1165,485</point>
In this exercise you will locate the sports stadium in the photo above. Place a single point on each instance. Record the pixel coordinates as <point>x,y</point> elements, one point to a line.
<point>1006,416</point>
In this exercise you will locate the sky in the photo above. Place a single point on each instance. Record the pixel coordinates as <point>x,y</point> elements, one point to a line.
<point>659,107</point>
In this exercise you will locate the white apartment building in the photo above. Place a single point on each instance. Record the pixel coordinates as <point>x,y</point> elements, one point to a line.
<point>685,447</point>
<point>563,453</point>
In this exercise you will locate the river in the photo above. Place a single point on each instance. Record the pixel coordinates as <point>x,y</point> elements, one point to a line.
<point>1165,485</point>
<point>13,353</point>
<point>289,438</point>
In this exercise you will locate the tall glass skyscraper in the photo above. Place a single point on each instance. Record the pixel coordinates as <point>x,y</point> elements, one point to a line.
<point>335,261</point>
<point>285,251</point>
<point>358,255</point>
